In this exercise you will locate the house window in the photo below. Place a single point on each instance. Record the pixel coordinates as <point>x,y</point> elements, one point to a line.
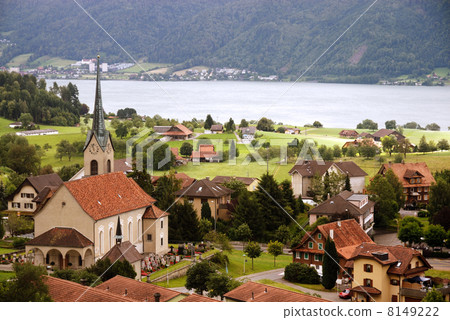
<point>368,282</point>
<point>140,230</point>
<point>130,231</point>
<point>94,168</point>
<point>162,241</point>
<point>149,237</point>
<point>419,197</point>
<point>405,190</point>
<point>320,246</point>
<point>310,245</point>
<point>28,205</point>
<point>191,200</point>
<point>27,195</point>
<point>412,181</point>
<point>394,282</point>
<point>319,236</point>
<point>368,268</point>
<point>425,189</point>
<point>80,261</point>
<point>306,256</point>
<point>425,197</point>
<point>417,264</point>
<point>16,205</point>
<point>162,223</point>
<point>409,266</point>
<point>298,255</point>
<point>101,243</point>
<point>317,257</point>
<point>419,189</point>
<point>111,237</point>
<point>47,259</point>
<point>108,166</point>
<point>418,180</point>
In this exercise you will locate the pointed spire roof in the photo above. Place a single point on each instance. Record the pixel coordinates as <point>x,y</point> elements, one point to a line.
<point>119,235</point>
<point>98,124</point>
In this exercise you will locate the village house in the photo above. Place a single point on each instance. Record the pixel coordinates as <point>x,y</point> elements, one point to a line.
<point>258,292</point>
<point>348,134</point>
<point>178,132</point>
<point>346,205</point>
<point>248,133</point>
<point>24,200</point>
<point>303,173</point>
<point>365,135</point>
<point>346,234</point>
<point>380,134</point>
<point>161,129</point>
<point>250,183</point>
<point>291,130</point>
<point>388,274</point>
<point>215,195</point>
<point>216,128</point>
<point>205,153</point>
<point>416,179</point>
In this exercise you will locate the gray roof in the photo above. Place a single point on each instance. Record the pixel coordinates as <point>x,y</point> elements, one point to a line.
<point>204,189</point>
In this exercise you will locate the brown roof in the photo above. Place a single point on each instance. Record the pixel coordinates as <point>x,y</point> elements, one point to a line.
<point>257,292</point>
<point>205,189</point>
<point>197,298</point>
<point>67,291</point>
<point>216,127</point>
<point>123,251</point>
<point>61,237</point>
<point>121,165</point>
<point>386,132</point>
<point>205,151</point>
<point>178,130</point>
<point>45,194</point>
<point>366,134</point>
<point>348,133</point>
<point>245,180</point>
<point>339,204</point>
<point>404,171</point>
<point>398,257</point>
<point>136,290</point>
<point>310,168</point>
<point>161,129</point>
<point>39,182</point>
<point>369,290</point>
<point>153,212</point>
<point>176,153</point>
<point>248,130</point>
<point>109,194</point>
<point>186,181</point>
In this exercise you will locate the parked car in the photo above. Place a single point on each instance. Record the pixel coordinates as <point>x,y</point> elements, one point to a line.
<point>346,294</point>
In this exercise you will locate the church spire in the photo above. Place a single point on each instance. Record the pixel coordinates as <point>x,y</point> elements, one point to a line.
<point>98,125</point>
<point>119,235</point>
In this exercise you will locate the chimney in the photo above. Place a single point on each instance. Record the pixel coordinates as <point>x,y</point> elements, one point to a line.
<point>157,296</point>
<point>332,234</point>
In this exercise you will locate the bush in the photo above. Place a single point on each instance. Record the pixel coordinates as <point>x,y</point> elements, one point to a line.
<point>301,273</point>
<point>423,214</point>
<point>220,259</point>
<point>19,242</point>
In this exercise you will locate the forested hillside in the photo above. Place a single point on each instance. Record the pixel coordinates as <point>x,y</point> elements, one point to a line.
<point>272,37</point>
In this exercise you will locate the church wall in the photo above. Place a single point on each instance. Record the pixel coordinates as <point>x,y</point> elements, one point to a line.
<point>94,152</point>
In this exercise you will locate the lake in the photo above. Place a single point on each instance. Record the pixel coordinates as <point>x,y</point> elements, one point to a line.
<point>334,105</point>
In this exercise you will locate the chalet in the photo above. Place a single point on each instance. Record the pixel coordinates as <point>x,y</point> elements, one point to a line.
<point>248,133</point>
<point>258,292</point>
<point>346,205</point>
<point>250,183</point>
<point>389,274</point>
<point>416,179</point>
<point>303,173</point>
<point>27,196</point>
<point>178,132</point>
<point>215,195</point>
<point>217,128</point>
<point>205,153</point>
<point>380,134</point>
<point>348,134</point>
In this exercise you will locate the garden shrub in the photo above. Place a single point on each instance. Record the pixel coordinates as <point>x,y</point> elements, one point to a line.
<point>301,273</point>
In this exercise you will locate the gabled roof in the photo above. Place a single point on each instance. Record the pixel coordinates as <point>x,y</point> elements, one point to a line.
<point>121,165</point>
<point>257,292</point>
<point>153,212</point>
<point>339,204</point>
<point>61,237</point>
<point>348,133</point>
<point>109,194</point>
<point>197,298</point>
<point>248,130</point>
<point>123,251</point>
<point>205,189</point>
<point>386,132</point>
<point>40,182</point>
<point>136,290</point>
<point>351,169</point>
<point>178,130</point>
<point>216,127</point>
<point>222,179</point>
<point>161,129</point>
<point>186,181</point>
<point>310,168</point>
<point>61,290</point>
<point>404,171</point>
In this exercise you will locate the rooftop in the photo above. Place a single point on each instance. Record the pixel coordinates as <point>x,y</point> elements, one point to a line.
<point>204,188</point>
<point>61,237</point>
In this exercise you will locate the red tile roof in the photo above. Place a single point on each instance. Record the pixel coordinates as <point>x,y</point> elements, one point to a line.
<point>61,237</point>
<point>310,168</point>
<point>67,291</point>
<point>109,194</point>
<point>153,212</point>
<point>257,292</point>
<point>369,290</point>
<point>137,290</point>
<point>198,298</point>
<point>348,133</point>
<point>404,171</point>
<point>121,165</point>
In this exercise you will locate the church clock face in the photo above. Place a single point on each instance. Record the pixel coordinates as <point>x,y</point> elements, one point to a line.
<point>108,148</point>
<point>93,149</point>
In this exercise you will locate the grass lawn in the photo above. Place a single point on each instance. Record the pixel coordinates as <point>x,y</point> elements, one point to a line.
<point>19,60</point>
<point>438,273</point>
<point>51,61</point>
<point>221,136</point>
<point>145,65</point>
<point>5,275</point>
<point>7,250</point>
<point>198,68</point>
<point>278,285</point>
<point>173,283</point>
<point>159,273</point>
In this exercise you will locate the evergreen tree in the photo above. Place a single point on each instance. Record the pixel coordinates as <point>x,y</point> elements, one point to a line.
<point>206,211</point>
<point>423,145</point>
<point>165,190</point>
<point>288,196</point>
<point>230,126</point>
<point>208,122</point>
<point>248,211</point>
<point>186,224</point>
<point>330,264</point>
<point>433,296</point>
<point>347,186</point>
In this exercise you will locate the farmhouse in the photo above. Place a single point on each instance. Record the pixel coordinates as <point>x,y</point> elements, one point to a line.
<point>178,132</point>
<point>348,134</point>
<point>205,153</point>
<point>380,134</point>
<point>217,128</point>
<point>248,133</point>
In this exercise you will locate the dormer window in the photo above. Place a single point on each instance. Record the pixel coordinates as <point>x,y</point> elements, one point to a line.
<point>412,181</point>
<point>418,180</point>
<point>310,245</point>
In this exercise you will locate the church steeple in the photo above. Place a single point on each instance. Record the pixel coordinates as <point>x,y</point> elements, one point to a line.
<point>98,125</point>
<point>119,235</point>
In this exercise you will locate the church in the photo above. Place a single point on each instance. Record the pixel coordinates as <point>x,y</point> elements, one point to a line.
<point>77,225</point>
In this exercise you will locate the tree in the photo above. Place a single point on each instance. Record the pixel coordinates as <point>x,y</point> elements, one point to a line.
<point>122,130</point>
<point>281,130</point>
<point>253,251</point>
<point>391,124</point>
<point>330,264</point>
<point>423,145</point>
<point>243,124</point>
<point>433,296</point>
<point>67,172</point>
<point>386,199</point>
<point>283,235</point>
<point>219,239</point>
<point>204,227</point>
<point>230,126</point>
<point>248,210</point>
<point>29,285</point>
<point>26,120</point>
<point>301,273</point>
<point>433,127</point>
<point>367,151</point>
<point>317,124</point>
<point>198,276</point>
<point>389,143</point>
<point>218,284</point>
<point>244,233</point>
<point>442,218</point>
<point>18,155</point>
<point>186,149</point>
<point>126,113</point>
<point>404,146</point>
<point>410,232</point>
<point>2,229</point>
<point>3,198</point>
<point>411,125</point>
<point>397,187</point>
<point>439,195</point>
<point>435,235</point>
<point>347,185</point>
<point>65,148</point>
<point>351,151</point>
<point>208,122</point>
<point>106,270</point>
<point>143,179</point>
<point>183,222</point>
<point>165,190</point>
<point>443,144</point>
<point>265,124</point>
<point>237,186</point>
<point>274,248</point>
<point>367,124</point>
<point>206,211</point>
